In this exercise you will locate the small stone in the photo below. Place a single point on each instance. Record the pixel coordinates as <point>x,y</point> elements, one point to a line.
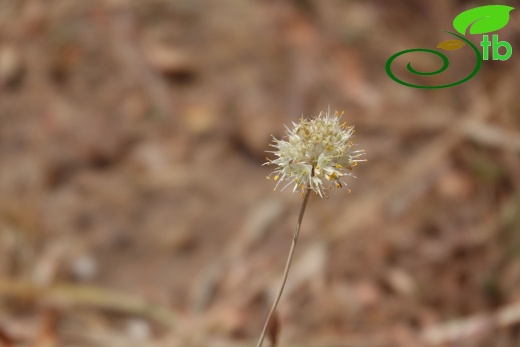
<point>84,268</point>
<point>400,281</point>
<point>138,329</point>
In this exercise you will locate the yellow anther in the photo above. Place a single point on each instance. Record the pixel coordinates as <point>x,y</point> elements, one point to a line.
<point>338,166</point>
<point>276,177</point>
<point>332,176</point>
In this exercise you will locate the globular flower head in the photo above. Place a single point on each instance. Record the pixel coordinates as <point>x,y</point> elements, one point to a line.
<point>317,154</point>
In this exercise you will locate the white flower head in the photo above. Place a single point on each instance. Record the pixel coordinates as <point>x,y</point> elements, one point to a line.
<point>317,154</point>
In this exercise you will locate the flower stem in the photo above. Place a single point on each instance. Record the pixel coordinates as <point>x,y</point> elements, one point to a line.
<point>287,267</point>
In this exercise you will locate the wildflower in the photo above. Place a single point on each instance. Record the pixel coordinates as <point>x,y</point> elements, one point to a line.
<point>316,155</point>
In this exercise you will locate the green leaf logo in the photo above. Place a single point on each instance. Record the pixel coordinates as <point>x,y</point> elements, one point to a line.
<point>483,19</point>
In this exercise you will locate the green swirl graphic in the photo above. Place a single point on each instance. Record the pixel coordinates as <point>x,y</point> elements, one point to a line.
<point>445,64</point>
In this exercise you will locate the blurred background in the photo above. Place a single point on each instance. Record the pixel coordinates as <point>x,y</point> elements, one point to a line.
<point>134,210</point>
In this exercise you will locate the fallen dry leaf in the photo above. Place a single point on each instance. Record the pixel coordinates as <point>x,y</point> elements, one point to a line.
<point>273,329</point>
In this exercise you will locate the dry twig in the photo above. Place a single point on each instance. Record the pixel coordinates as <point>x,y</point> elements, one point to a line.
<point>90,296</point>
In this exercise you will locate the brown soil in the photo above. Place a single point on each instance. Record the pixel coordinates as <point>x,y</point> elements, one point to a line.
<point>134,210</point>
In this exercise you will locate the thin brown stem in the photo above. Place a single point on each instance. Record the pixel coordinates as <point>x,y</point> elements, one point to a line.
<point>287,267</point>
